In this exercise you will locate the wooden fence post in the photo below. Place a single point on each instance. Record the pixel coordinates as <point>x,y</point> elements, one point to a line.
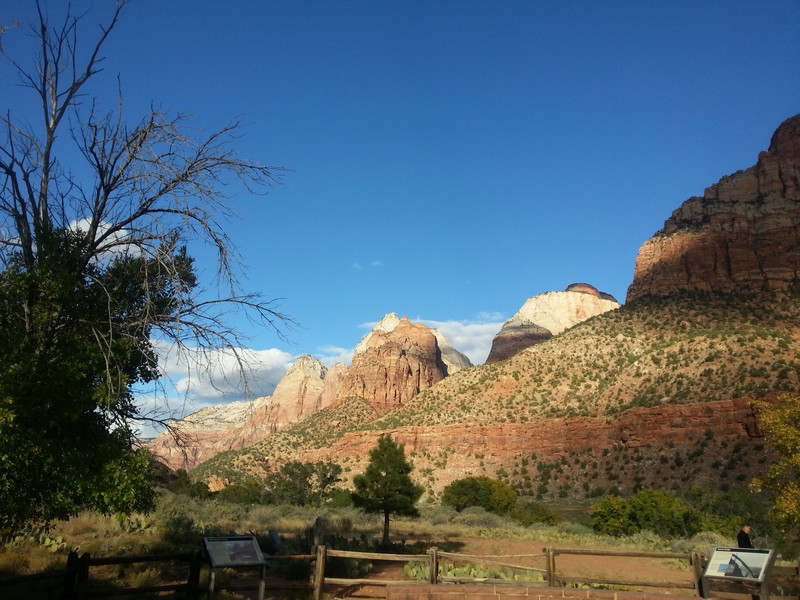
<point>81,576</point>
<point>433,576</point>
<point>550,562</point>
<point>70,579</point>
<point>697,569</point>
<point>193,582</point>
<point>319,571</point>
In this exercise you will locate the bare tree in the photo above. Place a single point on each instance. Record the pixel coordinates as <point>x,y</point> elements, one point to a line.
<point>154,186</point>
<point>119,236</point>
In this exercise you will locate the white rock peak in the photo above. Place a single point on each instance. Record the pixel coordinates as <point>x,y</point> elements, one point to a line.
<point>557,311</point>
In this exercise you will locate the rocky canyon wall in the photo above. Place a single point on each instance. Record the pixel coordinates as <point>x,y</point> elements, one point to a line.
<point>742,235</point>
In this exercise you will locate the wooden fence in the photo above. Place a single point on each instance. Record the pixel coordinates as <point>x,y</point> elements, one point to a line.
<point>696,562</point>
<point>76,575</point>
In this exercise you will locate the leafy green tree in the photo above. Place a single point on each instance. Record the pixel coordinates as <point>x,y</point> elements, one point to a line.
<point>664,514</point>
<point>248,492</point>
<point>612,516</point>
<point>303,484</point>
<point>181,483</point>
<point>385,486</point>
<point>491,494</point>
<point>94,274</point>
<point>724,511</point>
<point>781,421</point>
<point>654,510</point>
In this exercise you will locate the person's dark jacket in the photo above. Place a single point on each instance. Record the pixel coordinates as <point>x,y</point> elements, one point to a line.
<point>743,539</point>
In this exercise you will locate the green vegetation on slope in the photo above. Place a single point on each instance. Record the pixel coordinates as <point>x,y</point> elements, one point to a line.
<point>693,347</point>
<point>689,348</point>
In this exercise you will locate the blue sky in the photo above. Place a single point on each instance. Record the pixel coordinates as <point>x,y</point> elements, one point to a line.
<point>448,160</point>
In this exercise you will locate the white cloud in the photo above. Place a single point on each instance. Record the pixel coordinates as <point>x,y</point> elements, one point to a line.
<point>116,240</point>
<point>473,338</point>
<point>374,263</point>
<point>335,354</point>
<point>212,375</point>
<point>197,378</point>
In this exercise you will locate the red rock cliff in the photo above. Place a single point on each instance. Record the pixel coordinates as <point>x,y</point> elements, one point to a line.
<point>742,235</point>
<point>394,366</point>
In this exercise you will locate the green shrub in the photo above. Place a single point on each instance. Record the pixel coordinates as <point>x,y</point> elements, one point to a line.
<point>651,510</point>
<point>249,492</point>
<point>612,516</point>
<point>491,494</point>
<point>476,516</point>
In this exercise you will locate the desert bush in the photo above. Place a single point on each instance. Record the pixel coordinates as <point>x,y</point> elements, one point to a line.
<point>476,516</point>
<point>648,540</point>
<point>700,542</point>
<point>440,515</point>
<point>14,563</point>
<point>576,529</point>
<point>148,577</point>
<point>420,571</point>
<point>528,513</point>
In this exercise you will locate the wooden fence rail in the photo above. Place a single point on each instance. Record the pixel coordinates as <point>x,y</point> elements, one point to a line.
<point>695,561</point>
<point>550,575</point>
<point>76,575</point>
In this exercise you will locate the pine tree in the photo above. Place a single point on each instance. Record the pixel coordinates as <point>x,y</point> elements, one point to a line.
<point>386,486</point>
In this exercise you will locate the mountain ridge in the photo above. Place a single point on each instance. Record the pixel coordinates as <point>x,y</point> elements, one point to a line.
<point>690,351</point>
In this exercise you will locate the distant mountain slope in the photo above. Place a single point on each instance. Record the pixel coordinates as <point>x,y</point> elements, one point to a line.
<point>635,366</point>
<point>686,348</point>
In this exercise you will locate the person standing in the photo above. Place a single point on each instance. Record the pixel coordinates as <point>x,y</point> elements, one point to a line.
<point>743,537</point>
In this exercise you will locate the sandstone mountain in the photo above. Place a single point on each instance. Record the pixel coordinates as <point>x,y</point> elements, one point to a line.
<point>204,433</point>
<point>453,359</point>
<point>393,363</point>
<point>546,315</point>
<point>743,234</point>
<point>655,393</point>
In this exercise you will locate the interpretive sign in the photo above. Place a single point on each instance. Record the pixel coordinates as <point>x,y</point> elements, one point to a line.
<point>234,551</point>
<point>747,565</point>
<point>739,563</point>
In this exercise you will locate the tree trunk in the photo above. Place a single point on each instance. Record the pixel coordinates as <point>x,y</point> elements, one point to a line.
<point>385,541</point>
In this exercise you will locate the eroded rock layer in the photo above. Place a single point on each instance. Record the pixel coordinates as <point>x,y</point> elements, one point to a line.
<point>500,444</point>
